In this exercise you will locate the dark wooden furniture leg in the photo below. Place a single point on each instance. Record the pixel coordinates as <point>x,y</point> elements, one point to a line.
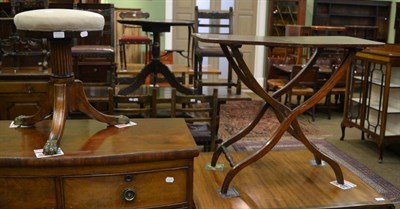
<point>156,66</point>
<point>65,94</point>
<point>287,117</point>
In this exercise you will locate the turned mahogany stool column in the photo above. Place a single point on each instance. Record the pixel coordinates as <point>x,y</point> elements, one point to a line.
<point>66,94</point>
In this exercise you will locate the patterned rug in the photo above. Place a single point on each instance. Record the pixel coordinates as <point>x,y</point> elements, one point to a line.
<point>231,123</point>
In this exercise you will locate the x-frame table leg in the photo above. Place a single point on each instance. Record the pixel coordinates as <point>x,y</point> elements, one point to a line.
<point>287,117</point>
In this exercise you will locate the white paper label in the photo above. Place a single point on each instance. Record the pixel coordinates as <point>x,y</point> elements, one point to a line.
<point>84,33</point>
<point>131,123</point>
<point>12,125</point>
<point>345,186</point>
<point>169,179</point>
<point>135,99</point>
<point>58,35</point>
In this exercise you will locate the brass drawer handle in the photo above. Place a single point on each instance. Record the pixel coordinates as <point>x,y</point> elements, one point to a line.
<point>129,195</point>
<point>29,89</point>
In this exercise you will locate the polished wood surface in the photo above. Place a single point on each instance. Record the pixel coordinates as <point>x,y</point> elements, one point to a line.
<point>89,142</point>
<point>164,93</point>
<point>288,117</point>
<point>290,41</point>
<point>283,179</point>
<point>100,167</point>
<point>183,70</point>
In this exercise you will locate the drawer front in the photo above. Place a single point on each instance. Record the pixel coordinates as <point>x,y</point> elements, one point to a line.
<point>94,73</point>
<point>21,98</point>
<point>155,188</point>
<point>27,193</point>
<point>23,87</point>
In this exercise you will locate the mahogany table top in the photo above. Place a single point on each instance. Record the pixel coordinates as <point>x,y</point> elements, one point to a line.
<point>289,41</point>
<point>89,142</point>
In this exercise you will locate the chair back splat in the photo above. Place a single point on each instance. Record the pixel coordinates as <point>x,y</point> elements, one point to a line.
<point>139,39</point>
<point>306,86</point>
<point>200,114</point>
<point>133,106</point>
<point>212,22</point>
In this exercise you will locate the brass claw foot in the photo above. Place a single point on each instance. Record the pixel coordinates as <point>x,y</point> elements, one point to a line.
<point>51,147</point>
<point>19,120</point>
<point>122,119</point>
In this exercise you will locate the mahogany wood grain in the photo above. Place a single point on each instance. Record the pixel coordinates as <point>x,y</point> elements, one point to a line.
<point>99,164</point>
<point>283,179</point>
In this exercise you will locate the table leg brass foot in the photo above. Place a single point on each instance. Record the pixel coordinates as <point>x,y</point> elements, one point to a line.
<point>230,193</point>
<point>81,103</point>
<point>29,120</point>
<point>51,147</point>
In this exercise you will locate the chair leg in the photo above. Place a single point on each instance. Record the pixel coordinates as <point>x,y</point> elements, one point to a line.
<point>238,87</point>
<point>299,99</point>
<point>199,77</point>
<point>229,80</point>
<point>200,68</point>
<point>195,71</point>
<point>121,54</point>
<point>146,54</point>
<point>328,104</point>
<point>124,56</point>
<point>288,100</point>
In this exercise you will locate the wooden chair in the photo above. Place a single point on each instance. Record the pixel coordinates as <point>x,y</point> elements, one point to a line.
<point>212,22</point>
<point>133,106</point>
<point>306,86</point>
<point>203,123</point>
<point>275,78</point>
<point>133,39</point>
<point>338,91</point>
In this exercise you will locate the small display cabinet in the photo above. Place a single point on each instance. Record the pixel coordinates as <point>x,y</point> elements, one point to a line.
<point>373,96</point>
<point>281,14</point>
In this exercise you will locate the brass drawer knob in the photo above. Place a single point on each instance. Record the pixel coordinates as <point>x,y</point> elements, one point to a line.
<point>128,178</point>
<point>129,195</point>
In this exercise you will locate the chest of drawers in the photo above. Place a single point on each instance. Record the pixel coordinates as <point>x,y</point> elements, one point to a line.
<point>149,165</point>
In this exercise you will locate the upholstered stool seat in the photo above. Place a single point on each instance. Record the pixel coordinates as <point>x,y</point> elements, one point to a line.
<point>54,20</point>
<point>66,94</point>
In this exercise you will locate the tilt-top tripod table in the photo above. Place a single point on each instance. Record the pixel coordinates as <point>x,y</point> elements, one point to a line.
<point>156,66</point>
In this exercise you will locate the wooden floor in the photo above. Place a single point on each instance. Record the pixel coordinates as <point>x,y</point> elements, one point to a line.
<point>281,179</point>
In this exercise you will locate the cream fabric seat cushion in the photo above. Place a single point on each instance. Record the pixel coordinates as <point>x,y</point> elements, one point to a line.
<point>53,20</point>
